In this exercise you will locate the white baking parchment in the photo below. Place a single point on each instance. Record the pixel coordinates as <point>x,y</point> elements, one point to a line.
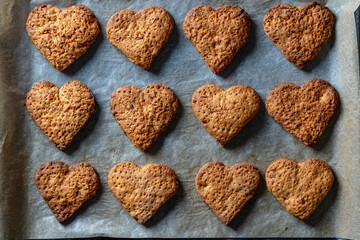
<point>185,146</point>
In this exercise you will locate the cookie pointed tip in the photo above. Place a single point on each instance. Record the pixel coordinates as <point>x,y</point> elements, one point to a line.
<point>308,143</point>
<point>60,219</point>
<point>301,67</point>
<point>144,67</point>
<point>61,147</point>
<point>303,218</point>
<point>223,143</point>
<point>216,70</point>
<point>141,221</point>
<point>142,148</point>
<point>226,223</point>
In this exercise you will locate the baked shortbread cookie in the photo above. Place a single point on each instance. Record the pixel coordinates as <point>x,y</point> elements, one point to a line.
<point>227,190</point>
<point>140,35</point>
<point>62,36</point>
<point>142,191</point>
<point>225,113</point>
<point>299,187</point>
<point>60,113</point>
<point>217,34</point>
<point>144,115</point>
<point>299,33</point>
<point>65,189</point>
<point>303,111</point>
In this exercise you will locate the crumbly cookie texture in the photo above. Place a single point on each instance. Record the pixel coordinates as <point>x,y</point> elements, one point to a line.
<point>299,187</point>
<point>225,113</point>
<point>62,36</point>
<point>227,190</point>
<point>144,115</point>
<point>142,191</point>
<point>217,34</point>
<point>303,111</point>
<point>65,189</point>
<point>60,113</point>
<point>299,33</point>
<point>140,36</point>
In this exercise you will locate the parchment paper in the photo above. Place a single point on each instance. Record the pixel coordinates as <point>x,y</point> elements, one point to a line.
<point>185,146</point>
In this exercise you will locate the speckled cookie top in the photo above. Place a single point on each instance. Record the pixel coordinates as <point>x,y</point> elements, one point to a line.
<point>299,187</point>
<point>225,113</point>
<point>140,36</point>
<point>299,33</point>
<point>303,111</point>
<point>144,115</point>
<point>227,190</point>
<point>65,189</point>
<point>217,34</point>
<point>142,191</point>
<point>60,113</point>
<point>62,36</point>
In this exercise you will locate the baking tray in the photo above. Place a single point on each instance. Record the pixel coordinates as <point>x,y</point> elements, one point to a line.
<point>185,146</point>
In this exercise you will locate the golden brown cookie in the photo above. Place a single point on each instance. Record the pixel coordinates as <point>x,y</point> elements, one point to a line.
<point>225,113</point>
<point>299,187</point>
<point>65,189</point>
<point>62,36</point>
<point>60,113</point>
<point>142,191</point>
<point>217,34</point>
<point>140,36</point>
<point>303,111</point>
<point>299,33</point>
<point>227,190</point>
<point>144,115</point>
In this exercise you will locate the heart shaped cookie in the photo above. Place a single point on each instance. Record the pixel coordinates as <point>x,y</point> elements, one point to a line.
<point>60,114</point>
<point>227,190</point>
<point>62,36</point>
<point>144,115</point>
<point>225,113</point>
<point>65,189</point>
<point>299,187</point>
<point>140,36</point>
<point>142,191</point>
<point>299,33</point>
<point>217,34</point>
<point>303,111</point>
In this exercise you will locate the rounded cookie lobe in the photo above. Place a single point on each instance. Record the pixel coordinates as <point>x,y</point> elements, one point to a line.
<point>62,36</point>
<point>303,111</point>
<point>225,113</point>
<point>142,191</point>
<point>299,187</point>
<point>227,190</point>
<point>65,189</point>
<point>60,113</point>
<point>144,115</point>
<point>299,33</point>
<point>140,36</point>
<point>217,34</point>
